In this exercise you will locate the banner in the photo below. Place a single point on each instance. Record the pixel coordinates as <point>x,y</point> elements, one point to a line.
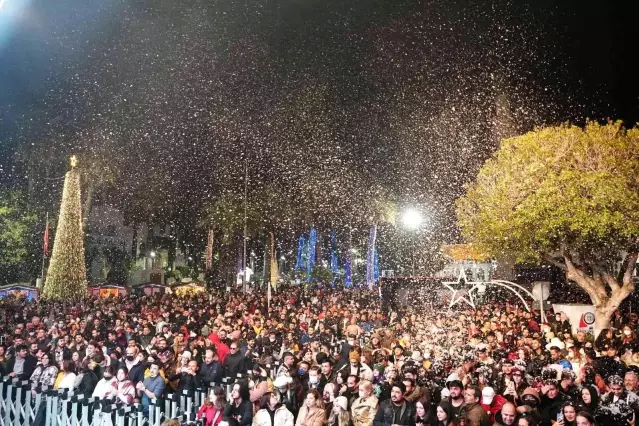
<point>582,317</point>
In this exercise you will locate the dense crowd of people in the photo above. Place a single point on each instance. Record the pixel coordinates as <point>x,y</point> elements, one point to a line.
<point>320,357</point>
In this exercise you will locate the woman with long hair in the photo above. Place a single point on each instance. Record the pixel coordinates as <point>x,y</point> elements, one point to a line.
<point>123,388</point>
<point>340,415</point>
<point>589,399</point>
<point>45,373</point>
<point>66,376</point>
<point>444,414</point>
<point>272,412</point>
<point>213,408</point>
<point>585,419</point>
<point>569,410</point>
<point>312,411</point>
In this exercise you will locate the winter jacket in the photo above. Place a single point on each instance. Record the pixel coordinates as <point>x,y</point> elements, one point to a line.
<point>221,348</point>
<point>475,415</point>
<point>44,376</point>
<point>234,365</point>
<point>210,373</point>
<point>243,413</point>
<point>363,411</point>
<point>209,411</point>
<point>283,417</point>
<point>313,417</point>
<point>385,414</point>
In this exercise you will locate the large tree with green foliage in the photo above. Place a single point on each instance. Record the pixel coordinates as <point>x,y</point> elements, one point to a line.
<point>17,234</point>
<point>566,195</point>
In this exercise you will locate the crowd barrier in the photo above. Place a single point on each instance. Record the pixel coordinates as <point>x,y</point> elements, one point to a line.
<point>19,406</point>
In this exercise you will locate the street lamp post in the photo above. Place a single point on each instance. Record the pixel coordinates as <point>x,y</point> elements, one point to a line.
<point>283,259</point>
<point>412,219</point>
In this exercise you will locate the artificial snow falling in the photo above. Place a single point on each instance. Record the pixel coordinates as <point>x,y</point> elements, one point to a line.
<point>331,115</point>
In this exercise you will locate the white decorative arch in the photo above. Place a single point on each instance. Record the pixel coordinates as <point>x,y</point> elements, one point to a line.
<point>458,294</point>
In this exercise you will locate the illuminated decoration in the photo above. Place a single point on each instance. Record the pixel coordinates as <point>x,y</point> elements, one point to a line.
<point>209,251</point>
<point>188,289</point>
<point>370,257</point>
<point>348,278</point>
<point>334,264</point>
<point>310,261</point>
<point>460,289</point>
<point>299,262</point>
<point>67,276</point>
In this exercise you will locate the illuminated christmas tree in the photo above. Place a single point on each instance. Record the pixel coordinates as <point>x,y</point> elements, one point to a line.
<point>67,277</point>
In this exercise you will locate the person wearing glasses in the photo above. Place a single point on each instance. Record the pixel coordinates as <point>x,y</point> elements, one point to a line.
<point>234,361</point>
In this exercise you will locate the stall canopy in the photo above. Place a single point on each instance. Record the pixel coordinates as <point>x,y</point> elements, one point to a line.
<point>108,290</point>
<point>19,291</point>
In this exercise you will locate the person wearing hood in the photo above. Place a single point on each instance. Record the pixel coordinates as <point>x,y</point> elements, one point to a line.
<point>286,395</point>
<point>221,348</point>
<point>589,399</point>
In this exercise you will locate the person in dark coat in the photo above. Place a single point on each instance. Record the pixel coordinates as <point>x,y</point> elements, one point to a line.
<point>89,378</point>
<point>240,408</point>
<point>234,362</point>
<point>21,365</point>
<point>188,378</point>
<point>395,410</point>
<point>211,370</point>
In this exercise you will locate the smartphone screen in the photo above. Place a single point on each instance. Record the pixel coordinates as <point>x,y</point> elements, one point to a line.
<point>560,417</point>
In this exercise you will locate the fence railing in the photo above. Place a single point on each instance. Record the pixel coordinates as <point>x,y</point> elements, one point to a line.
<point>22,406</point>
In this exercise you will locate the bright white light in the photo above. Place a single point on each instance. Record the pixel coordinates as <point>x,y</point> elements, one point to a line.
<point>152,254</point>
<point>412,219</point>
<point>282,258</point>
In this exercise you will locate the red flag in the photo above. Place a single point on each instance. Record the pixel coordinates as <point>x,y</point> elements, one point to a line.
<point>46,238</point>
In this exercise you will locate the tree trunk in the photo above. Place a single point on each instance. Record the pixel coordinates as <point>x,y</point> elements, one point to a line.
<point>602,320</point>
<point>596,285</point>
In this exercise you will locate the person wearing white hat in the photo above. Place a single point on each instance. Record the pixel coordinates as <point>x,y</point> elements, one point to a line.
<point>339,415</point>
<point>285,395</point>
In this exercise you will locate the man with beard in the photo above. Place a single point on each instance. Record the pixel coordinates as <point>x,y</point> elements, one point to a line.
<point>151,388</point>
<point>455,387</point>
<point>286,366</point>
<point>396,410</point>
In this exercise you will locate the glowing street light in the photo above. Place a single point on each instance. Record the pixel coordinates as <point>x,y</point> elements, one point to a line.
<point>412,219</point>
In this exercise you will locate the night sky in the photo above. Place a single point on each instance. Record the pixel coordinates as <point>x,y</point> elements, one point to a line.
<point>332,102</point>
